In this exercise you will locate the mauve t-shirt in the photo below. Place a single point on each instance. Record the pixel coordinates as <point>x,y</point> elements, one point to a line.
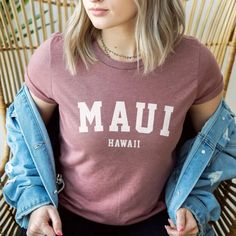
<point>118,128</point>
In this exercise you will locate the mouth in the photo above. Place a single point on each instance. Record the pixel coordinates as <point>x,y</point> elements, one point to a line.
<point>98,11</point>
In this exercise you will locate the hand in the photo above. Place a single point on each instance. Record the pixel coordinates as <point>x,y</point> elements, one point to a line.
<point>186,224</point>
<point>40,219</point>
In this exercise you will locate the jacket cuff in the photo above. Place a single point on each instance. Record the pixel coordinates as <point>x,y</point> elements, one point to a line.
<point>200,213</point>
<point>32,198</point>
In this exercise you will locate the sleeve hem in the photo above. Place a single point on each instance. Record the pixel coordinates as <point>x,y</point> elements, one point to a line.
<point>39,95</point>
<point>211,95</point>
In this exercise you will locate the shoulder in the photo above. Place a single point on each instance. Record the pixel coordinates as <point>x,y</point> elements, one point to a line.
<point>56,48</point>
<point>193,45</point>
<point>56,36</point>
<point>192,49</point>
<point>56,40</point>
<point>52,44</point>
<point>190,41</point>
<point>48,47</point>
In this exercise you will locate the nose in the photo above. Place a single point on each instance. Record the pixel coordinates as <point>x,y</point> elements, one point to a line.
<point>96,0</point>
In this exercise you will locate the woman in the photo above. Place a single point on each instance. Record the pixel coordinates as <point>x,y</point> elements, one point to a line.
<point>123,77</point>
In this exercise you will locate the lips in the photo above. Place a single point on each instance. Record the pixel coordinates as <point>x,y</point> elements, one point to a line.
<point>98,11</point>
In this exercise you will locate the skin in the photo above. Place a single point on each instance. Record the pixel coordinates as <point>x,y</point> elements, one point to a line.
<point>117,28</point>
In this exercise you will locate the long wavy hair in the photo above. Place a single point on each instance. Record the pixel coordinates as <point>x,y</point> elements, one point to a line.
<point>160,25</point>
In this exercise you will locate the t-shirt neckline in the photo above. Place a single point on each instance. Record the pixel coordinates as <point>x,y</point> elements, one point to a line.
<point>104,58</point>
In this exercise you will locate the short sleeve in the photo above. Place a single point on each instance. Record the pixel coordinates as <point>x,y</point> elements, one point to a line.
<point>38,72</point>
<point>209,76</point>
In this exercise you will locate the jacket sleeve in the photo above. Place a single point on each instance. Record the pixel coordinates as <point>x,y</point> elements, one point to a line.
<point>201,201</point>
<point>24,189</point>
<point>204,207</point>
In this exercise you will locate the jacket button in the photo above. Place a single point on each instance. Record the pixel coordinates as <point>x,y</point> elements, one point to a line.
<point>203,151</point>
<point>223,118</point>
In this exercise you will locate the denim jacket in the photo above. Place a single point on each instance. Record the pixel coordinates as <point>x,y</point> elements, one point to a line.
<point>202,163</point>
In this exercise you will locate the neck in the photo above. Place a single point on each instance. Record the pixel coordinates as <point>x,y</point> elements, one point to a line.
<point>120,41</point>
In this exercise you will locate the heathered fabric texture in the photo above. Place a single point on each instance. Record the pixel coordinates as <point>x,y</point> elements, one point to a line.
<point>119,129</point>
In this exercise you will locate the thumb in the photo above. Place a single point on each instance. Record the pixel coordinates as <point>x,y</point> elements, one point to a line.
<point>56,221</point>
<point>180,219</point>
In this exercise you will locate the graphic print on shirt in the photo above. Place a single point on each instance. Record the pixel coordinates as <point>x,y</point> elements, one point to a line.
<point>120,121</point>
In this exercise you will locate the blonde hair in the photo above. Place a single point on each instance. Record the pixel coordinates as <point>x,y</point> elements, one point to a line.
<point>159,28</point>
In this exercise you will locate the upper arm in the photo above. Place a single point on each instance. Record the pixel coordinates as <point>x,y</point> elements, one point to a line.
<point>46,109</point>
<point>200,113</point>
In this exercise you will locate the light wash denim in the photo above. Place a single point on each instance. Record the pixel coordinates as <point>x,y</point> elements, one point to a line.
<point>202,163</point>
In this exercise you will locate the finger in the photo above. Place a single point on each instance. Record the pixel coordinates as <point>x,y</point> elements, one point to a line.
<point>56,221</point>
<point>47,230</point>
<point>171,223</point>
<point>172,231</point>
<point>181,219</point>
<point>191,223</point>
<point>175,232</point>
<point>190,226</point>
<point>35,230</point>
<point>33,233</point>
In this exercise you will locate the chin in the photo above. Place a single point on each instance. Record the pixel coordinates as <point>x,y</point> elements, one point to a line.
<point>102,25</point>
